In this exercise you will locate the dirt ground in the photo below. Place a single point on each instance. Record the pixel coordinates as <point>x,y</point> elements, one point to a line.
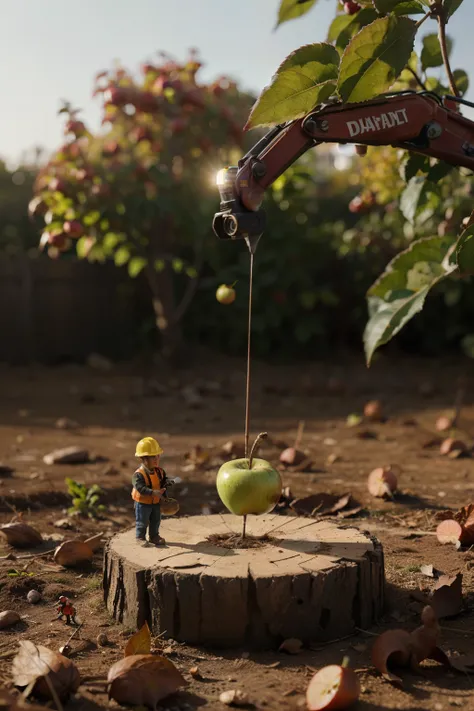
<point>115,407</point>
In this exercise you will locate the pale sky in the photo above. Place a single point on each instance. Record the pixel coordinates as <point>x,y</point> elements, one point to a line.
<point>51,49</point>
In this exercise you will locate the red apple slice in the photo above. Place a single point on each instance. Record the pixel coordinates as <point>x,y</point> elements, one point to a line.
<point>333,687</point>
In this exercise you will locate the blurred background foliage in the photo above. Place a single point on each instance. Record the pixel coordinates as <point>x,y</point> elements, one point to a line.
<point>334,222</point>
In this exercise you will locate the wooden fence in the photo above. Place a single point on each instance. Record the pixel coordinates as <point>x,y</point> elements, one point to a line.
<point>59,310</point>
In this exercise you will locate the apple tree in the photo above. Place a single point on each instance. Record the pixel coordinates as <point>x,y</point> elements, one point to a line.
<point>374,46</point>
<point>141,190</point>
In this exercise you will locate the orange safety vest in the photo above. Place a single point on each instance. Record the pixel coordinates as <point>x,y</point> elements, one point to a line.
<point>153,481</point>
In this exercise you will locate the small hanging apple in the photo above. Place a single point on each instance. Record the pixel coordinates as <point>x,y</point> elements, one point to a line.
<point>249,485</point>
<point>226,294</point>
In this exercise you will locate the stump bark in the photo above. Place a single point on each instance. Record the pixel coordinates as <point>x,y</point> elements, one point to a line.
<point>314,580</point>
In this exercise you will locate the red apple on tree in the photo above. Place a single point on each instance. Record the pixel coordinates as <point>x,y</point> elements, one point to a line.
<point>73,228</point>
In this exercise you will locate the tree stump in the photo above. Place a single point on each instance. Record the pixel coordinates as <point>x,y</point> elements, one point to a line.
<point>313,580</point>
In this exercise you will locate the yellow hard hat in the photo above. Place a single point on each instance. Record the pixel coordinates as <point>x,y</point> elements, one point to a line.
<point>148,447</point>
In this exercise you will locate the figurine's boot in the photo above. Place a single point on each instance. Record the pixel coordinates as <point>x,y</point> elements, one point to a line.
<point>157,541</point>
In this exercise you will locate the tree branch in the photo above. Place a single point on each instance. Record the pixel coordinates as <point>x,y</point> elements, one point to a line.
<point>418,79</point>
<point>444,48</point>
<point>423,19</point>
<point>190,290</point>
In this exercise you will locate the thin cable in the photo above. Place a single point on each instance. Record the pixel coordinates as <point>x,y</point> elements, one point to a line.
<point>249,331</point>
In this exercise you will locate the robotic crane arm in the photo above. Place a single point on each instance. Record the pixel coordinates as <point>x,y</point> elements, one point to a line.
<point>418,122</point>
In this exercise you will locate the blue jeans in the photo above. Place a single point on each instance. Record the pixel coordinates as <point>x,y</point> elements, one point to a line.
<point>147,515</point>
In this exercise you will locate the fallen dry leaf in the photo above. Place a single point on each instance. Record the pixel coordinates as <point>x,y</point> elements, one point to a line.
<point>234,697</point>
<point>140,642</point>
<point>428,570</point>
<point>35,662</point>
<point>291,646</point>
<point>8,618</point>
<point>21,535</point>
<point>198,456</point>
<point>347,513</point>
<point>72,553</point>
<point>95,542</point>
<point>447,599</point>
<point>322,504</point>
<point>285,499</point>
<point>450,445</point>
<point>143,680</point>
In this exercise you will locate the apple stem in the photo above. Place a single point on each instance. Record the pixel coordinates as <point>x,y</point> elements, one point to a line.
<point>258,439</point>
<point>244,526</point>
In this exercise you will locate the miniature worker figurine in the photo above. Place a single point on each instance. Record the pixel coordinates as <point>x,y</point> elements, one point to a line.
<point>148,490</point>
<point>66,609</point>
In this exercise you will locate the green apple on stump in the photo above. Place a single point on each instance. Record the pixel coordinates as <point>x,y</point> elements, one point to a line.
<point>249,486</point>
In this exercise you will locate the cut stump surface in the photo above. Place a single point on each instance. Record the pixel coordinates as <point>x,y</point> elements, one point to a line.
<point>315,580</point>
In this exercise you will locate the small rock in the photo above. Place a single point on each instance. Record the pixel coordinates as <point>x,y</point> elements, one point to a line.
<point>67,455</point>
<point>102,639</point>
<point>63,523</point>
<point>233,697</point>
<point>64,423</point>
<point>8,618</point>
<point>99,362</point>
<point>33,597</point>
<point>194,671</point>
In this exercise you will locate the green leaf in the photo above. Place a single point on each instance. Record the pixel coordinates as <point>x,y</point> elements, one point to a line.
<point>122,255</point>
<point>465,251</point>
<point>191,272</point>
<point>177,265</point>
<point>411,197</point>
<point>135,266</point>
<point>344,27</point>
<point>159,265</point>
<point>291,9</point>
<point>399,7</point>
<point>91,218</point>
<point>451,6</point>
<point>111,240</point>
<point>462,80</point>
<point>375,57</point>
<point>415,163</point>
<point>315,59</point>
<point>439,171</point>
<point>301,82</point>
<point>400,293</point>
<point>431,53</point>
